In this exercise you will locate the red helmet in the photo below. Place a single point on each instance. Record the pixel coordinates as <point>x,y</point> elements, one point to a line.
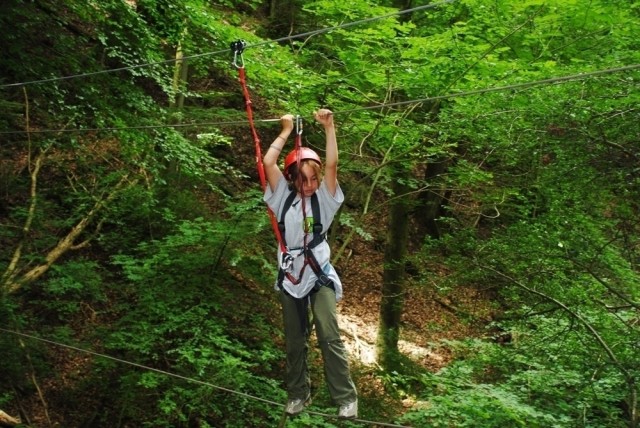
<point>305,154</point>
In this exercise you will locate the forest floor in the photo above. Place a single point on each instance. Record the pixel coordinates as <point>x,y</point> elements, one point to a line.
<point>428,318</point>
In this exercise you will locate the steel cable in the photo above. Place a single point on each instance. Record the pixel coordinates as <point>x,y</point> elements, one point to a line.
<point>205,54</point>
<point>185,378</point>
<point>523,85</point>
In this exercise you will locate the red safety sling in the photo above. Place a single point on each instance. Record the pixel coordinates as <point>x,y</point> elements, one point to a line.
<point>237,48</point>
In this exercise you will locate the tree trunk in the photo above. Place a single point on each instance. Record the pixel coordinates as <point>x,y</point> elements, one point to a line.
<point>179,82</point>
<point>431,200</point>
<point>404,5</point>
<point>393,281</point>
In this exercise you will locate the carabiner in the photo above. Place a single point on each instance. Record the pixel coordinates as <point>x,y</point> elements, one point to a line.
<point>236,48</point>
<point>298,125</point>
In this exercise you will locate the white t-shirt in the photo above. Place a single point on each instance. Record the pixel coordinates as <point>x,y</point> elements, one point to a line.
<point>295,234</point>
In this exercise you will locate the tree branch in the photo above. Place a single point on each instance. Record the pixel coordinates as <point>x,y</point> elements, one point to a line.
<point>34,170</point>
<point>8,421</point>
<point>602,282</point>
<point>67,243</point>
<point>629,378</point>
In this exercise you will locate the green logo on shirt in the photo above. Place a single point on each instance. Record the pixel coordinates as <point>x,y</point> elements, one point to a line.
<point>308,224</point>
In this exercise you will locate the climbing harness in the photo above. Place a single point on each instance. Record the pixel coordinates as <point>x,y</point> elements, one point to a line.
<point>299,154</point>
<point>318,237</point>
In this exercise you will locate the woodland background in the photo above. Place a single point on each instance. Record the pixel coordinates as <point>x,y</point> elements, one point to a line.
<point>492,212</point>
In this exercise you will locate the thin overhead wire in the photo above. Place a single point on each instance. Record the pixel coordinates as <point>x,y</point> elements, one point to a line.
<point>515,86</point>
<point>354,23</point>
<point>185,378</point>
<point>138,127</point>
<point>218,52</point>
<point>524,85</point>
<point>110,70</point>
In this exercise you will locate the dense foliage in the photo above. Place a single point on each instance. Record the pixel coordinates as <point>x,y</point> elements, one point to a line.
<point>131,221</point>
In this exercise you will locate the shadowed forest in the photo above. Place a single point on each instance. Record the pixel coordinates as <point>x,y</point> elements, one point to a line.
<point>489,243</point>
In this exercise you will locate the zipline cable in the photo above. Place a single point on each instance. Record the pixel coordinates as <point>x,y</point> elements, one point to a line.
<point>119,360</point>
<point>109,70</point>
<point>353,23</point>
<point>524,85</point>
<point>204,54</point>
<point>185,378</point>
<point>138,127</point>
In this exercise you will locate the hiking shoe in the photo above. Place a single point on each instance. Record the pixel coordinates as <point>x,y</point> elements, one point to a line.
<point>349,410</point>
<point>296,405</point>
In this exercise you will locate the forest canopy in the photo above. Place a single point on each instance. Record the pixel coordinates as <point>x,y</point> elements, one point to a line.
<point>490,158</point>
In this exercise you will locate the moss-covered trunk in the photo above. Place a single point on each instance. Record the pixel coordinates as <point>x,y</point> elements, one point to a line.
<point>393,281</point>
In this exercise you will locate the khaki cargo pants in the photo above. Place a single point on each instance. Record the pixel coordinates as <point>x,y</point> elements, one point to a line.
<point>334,356</point>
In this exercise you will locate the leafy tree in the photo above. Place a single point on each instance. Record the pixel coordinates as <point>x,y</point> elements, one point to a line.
<point>124,233</point>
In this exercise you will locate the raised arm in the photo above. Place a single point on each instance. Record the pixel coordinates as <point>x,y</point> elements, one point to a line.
<point>270,160</point>
<point>325,117</point>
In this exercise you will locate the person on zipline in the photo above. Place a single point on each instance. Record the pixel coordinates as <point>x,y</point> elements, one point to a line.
<point>302,197</point>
